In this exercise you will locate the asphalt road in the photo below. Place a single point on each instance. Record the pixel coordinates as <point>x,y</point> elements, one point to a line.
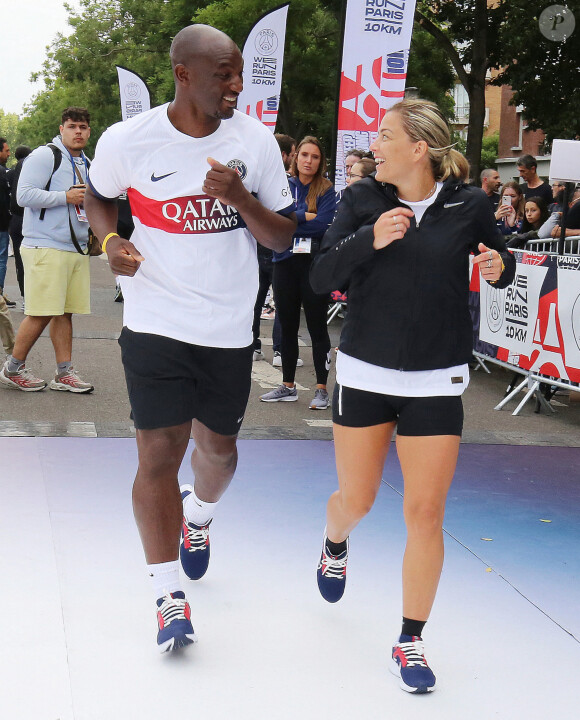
<point>105,412</point>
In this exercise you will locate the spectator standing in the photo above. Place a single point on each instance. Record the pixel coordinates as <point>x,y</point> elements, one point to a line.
<point>349,161</point>
<point>209,187</point>
<point>4,215</point>
<point>536,215</point>
<point>572,218</point>
<point>17,214</point>
<point>558,192</point>
<point>533,185</point>
<point>56,276</point>
<point>315,201</point>
<point>510,214</point>
<point>287,147</point>
<point>6,328</point>
<point>361,169</point>
<point>490,182</point>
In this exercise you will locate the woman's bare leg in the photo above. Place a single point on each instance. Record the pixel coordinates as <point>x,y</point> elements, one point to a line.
<point>360,457</point>
<point>428,465</point>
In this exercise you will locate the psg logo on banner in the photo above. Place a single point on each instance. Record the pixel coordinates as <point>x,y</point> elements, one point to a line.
<point>263,62</point>
<point>266,42</point>
<point>133,92</point>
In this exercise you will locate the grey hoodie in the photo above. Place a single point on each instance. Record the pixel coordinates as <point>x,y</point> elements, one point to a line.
<point>53,231</point>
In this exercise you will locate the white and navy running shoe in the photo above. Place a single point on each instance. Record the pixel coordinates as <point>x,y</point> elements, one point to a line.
<point>409,664</point>
<point>194,548</point>
<point>174,620</point>
<point>331,573</point>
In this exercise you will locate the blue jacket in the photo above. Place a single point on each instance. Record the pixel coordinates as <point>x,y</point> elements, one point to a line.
<point>315,229</point>
<point>54,230</point>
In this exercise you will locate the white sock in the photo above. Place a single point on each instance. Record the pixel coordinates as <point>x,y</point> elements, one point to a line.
<point>165,577</point>
<point>198,511</point>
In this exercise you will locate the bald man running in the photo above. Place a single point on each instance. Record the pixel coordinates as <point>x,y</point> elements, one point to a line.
<point>204,182</point>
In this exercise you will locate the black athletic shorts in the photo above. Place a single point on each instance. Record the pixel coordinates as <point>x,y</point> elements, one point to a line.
<point>438,415</point>
<point>172,382</point>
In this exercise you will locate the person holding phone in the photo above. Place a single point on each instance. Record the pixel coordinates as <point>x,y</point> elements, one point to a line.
<point>510,211</point>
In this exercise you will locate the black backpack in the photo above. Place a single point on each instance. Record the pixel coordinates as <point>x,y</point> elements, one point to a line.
<point>17,209</point>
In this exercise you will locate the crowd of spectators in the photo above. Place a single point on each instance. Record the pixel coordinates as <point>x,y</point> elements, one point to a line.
<point>531,210</point>
<point>524,211</point>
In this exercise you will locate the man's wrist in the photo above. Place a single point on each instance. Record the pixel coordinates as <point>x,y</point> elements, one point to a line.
<point>106,240</point>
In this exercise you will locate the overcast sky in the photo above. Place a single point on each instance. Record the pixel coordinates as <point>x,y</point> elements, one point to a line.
<point>22,53</point>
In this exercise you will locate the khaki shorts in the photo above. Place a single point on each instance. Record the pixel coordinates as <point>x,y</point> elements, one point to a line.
<point>56,282</point>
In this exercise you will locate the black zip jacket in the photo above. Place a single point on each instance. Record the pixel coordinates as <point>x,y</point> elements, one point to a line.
<point>408,303</point>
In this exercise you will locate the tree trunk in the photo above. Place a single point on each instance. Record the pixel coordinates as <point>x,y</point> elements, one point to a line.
<point>476,89</point>
<point>475,128</point>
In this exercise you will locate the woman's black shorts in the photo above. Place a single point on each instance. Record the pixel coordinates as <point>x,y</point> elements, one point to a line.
<point>172,382</point>
<point>438,415</point>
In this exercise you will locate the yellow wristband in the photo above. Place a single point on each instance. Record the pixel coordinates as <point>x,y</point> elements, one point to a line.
<point>106,240</point>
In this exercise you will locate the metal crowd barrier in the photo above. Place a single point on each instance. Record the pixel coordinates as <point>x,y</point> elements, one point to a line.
<point>550,245</point>
<point>534,380</point>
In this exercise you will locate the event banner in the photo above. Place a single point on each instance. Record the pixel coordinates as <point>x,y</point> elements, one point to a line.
<point>263,62</point>
<point>134,93</point>
<point>535,322</point>
<point>377,36</point>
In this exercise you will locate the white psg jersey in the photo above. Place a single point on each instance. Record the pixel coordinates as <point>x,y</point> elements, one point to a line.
<point>199,280</point>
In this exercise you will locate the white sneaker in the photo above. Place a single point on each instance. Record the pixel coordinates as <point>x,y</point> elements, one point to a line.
<point>258,355</point>
<point>277,361</point>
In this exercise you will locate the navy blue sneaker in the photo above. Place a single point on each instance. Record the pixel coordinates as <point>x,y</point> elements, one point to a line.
<point>174,619</point>
<point>409,664</point>
<point>331,573</point>
<point>194,548</point>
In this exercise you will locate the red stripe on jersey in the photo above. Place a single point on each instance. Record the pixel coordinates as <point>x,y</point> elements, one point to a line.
<point>190,215</point>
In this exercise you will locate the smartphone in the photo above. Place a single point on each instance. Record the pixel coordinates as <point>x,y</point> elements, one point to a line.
<point>506,200</point>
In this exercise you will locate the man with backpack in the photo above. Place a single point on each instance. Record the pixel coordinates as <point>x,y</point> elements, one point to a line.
<point>51,188</point>
<point>17,214</point>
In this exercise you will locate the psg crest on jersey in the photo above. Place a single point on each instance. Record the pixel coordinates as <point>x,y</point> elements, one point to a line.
<point>240,167</point>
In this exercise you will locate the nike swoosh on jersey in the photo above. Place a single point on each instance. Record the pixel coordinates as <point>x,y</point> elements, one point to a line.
<point>155,178</point>
<point>450,205</point>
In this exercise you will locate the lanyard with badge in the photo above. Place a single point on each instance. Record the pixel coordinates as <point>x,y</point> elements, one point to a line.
<point>79,209</point>
<point>300,244</point>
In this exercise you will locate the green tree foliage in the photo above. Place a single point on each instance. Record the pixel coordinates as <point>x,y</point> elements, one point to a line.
<point>505,35</point>
<point>466,29</point>
<point>9,130</point>
<point>489,150</point>
<point>544,74</point>
<point>80,69</point>
<point>430,70</point>
<point>307,102</point>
